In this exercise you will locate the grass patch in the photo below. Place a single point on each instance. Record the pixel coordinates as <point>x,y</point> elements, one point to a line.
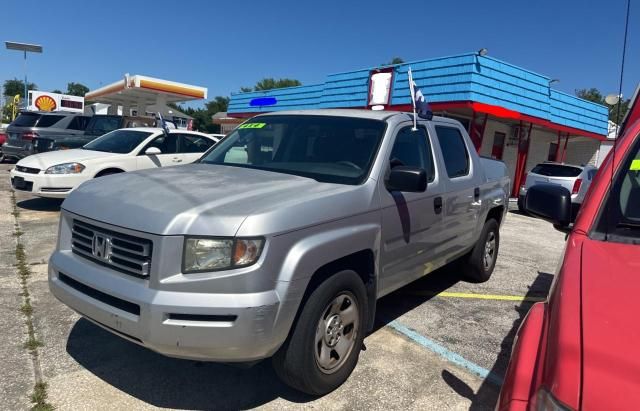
<point>39,395</point>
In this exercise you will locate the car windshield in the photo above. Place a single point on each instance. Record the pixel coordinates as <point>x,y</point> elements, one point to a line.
<point>556,170</point>
<point>326,148</point>
<point>118,141</point>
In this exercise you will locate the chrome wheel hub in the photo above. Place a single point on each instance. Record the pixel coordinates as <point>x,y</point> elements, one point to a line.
<point>336,333</point>
<point>489,250</point>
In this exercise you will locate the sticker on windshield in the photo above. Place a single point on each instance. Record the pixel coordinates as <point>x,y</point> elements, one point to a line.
<point>252,125</point>
<point>635,165</point>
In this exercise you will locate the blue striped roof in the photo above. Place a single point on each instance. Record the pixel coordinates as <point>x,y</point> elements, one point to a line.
<point>466,77</point>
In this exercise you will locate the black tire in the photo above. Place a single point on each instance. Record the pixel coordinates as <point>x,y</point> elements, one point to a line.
<point>476,268</point>
<point>297,362</point>
<point>1,157</point>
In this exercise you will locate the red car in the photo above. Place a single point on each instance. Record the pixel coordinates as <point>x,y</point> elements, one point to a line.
<point>581,348</point>
<point>3,139</point>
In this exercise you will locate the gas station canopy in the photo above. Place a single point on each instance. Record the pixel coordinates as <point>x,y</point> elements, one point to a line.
<point>142,91</point>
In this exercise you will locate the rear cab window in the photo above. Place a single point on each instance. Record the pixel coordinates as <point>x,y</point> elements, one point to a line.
<point>454,151</point>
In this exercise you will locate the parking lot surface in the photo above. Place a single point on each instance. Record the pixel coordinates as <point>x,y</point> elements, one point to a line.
<point>440,343</point>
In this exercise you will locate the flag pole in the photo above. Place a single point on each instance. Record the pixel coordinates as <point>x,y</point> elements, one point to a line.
<point>413,100</point>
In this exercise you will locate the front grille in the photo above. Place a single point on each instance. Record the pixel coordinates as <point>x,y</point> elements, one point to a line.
<point>121,252</point>
<point>29,170</point>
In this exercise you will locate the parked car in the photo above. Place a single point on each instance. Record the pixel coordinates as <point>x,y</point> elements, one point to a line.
<point>3,139</point>
<point>55,174</point>
<point>580,349</point>
<point>30,125</point>
<point>97,126</point>
<point>574,178</point>
<point>282,252</point>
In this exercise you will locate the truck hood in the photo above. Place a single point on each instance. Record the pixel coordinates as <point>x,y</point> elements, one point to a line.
<point>51,158</point>
<point>214,200</point>
<point>611,333</point>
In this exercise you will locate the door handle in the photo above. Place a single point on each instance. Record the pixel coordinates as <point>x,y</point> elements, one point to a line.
<point>177,160</point>
<point>437,205</point>
<point>476,193</point>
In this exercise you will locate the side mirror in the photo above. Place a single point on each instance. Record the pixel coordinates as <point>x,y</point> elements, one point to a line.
<point>409,179</point>
<point>153,151</point>
<point>550,202</point>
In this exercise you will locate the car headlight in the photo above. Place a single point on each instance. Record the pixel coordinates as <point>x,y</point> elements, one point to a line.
<point>547,402</point>
<point>212,254</point>
<point>66,168</point>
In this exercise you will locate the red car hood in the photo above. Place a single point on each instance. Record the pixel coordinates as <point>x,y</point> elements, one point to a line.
<point>611,325</point>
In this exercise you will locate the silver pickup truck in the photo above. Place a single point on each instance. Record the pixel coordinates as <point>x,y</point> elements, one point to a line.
<point>281,239</point>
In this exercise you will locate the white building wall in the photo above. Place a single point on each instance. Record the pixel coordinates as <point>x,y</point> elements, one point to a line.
<point>539,147</point>
<point>582,151</point>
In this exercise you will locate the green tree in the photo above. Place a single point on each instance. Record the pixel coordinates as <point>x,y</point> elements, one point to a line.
<point>77,89</point>
<point>395,60</point>
<point>202,116</point>
<point>57,91</point>
<point>271,83</point>
<point>594,95</point>
<point>15,86</point>
<point>245,89</point>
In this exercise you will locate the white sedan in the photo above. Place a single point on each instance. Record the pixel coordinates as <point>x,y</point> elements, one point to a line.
<point>56,173</point>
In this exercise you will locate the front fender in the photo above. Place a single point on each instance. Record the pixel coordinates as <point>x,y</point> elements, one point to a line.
<point>520,377</point>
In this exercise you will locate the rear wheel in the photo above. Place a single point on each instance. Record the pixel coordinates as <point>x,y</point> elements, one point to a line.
<point>481,261</point>
<point>324,345</point>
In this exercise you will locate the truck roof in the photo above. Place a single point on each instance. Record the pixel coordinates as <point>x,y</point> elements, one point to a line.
<point>349,112</point>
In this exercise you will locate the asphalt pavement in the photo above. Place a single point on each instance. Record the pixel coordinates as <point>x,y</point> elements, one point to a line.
<point>439,343</point>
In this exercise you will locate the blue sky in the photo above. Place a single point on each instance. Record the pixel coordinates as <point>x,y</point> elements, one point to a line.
<point>226,45</point>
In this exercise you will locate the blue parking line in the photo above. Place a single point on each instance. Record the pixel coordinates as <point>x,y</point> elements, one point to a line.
<point>446,354</point>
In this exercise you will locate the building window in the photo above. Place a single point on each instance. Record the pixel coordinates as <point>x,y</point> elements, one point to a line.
<point>498,145</point>
<point>553,149</point>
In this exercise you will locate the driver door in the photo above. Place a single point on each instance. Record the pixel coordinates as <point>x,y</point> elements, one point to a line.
<point>411,222</point>
<point>168,146</point>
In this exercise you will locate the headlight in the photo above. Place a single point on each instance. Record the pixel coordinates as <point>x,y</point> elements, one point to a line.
<point>212,254</point>
<point>66,168</point>
<point>547,402</point>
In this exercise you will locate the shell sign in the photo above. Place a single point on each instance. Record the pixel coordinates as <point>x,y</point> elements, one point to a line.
<point>45,103</point>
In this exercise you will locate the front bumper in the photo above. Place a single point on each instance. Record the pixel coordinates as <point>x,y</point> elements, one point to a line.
<point>191,325</point>
<point>46,185</point>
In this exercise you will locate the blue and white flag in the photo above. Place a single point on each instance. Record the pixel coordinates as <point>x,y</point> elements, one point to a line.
<point>162,124</point>
<point>420,104</point>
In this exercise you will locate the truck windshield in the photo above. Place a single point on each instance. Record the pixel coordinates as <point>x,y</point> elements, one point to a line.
<point>118,141</point>
<point>326,148</point>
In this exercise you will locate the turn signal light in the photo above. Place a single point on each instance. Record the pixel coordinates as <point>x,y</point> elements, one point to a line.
<point>576,186</point>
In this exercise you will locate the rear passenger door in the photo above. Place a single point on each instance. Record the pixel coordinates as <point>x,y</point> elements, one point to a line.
<point>462,204</point>
<point>192,146</point>
<point>411,222</point>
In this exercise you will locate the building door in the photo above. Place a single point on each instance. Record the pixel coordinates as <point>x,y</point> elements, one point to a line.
<point>498,145</point>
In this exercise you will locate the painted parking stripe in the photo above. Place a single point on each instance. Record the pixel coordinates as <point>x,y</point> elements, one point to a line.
<point>445,353</point>
<point>496,297</point>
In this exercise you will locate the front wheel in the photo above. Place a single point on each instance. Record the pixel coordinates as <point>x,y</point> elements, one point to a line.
<point>324,346</point>
<point>481,261</point>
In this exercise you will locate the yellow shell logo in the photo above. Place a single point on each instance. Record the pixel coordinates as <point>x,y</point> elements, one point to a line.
<point>45,103</point>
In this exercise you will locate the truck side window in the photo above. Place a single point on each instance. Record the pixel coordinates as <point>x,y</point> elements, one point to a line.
<point>412,148</point>
<point>454,151</point>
